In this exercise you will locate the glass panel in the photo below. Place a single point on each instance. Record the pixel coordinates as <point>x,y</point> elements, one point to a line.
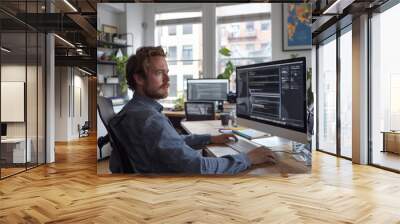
<point>385,87</point>
<point>13,85</point>
<point>31,99</point>
<point>248,37</point>
<point>41,99</point>
<point>185,50</point>
<point>346,94</point>
<point>327,97</point>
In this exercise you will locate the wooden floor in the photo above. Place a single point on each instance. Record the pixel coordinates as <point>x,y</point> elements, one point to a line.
<point>70,191</point>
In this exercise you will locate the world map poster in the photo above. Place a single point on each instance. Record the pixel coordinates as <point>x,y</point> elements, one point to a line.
<point>297,26</point>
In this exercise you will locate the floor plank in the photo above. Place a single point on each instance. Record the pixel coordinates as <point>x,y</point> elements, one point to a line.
<point>69,191</point>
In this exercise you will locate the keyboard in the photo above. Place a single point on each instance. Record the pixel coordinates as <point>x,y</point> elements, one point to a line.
<point>242,145</point>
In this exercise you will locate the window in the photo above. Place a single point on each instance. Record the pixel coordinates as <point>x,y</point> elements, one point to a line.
<point>234,30</point>
<point>187,54</point>
<point>171,53</point>
<point>185,48</point>
<point>246,17</point>
<point>346,75</point>
<point>250,27</point>
<point>172,91</point>
<point>263,45</point>
<point>250,47</point>
<point>187,28</point>
<point>264,26</point>
<point>185,78</point>
<point>172,30</point>
<point>327,96</point>
<point>385,85</point>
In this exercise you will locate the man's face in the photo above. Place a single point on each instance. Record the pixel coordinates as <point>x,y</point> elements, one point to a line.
<point>157,81</point>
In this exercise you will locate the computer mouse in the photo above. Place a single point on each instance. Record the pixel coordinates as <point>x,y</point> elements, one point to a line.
<point>233,139</point>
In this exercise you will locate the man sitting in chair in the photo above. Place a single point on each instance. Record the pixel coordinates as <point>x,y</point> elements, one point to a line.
<point>147,139</point>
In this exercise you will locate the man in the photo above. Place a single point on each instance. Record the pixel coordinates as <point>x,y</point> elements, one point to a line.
<point>147,141</point>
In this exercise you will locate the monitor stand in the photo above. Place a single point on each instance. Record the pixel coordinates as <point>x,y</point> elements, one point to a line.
<point>220,106</point>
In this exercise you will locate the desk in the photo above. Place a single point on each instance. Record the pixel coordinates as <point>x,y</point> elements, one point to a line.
<point>13,150</point>
<point>286,162</point>
<point>391,141</point>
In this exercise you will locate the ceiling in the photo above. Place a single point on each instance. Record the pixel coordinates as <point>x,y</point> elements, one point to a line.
<point>328,15</point>
<point>75,23</point>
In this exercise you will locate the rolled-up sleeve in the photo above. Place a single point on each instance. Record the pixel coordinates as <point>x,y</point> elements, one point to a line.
<point>176,155</point>
<point>197,140</point>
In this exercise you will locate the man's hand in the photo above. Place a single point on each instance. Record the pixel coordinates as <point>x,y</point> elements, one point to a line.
<point>261,155</point>
<point>224,138</point>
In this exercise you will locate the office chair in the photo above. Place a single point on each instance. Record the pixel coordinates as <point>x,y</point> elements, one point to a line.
<point>199,111</point>
<point>106,113</point>
<point>84,129</point>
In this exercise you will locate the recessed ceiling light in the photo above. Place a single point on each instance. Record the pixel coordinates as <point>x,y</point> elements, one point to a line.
<point>70,5</point>
<point>86,72</point>
<point>5,49</point>
<point>64,40</point>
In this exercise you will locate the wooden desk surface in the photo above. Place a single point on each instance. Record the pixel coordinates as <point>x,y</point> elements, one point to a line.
<point>286,163</point>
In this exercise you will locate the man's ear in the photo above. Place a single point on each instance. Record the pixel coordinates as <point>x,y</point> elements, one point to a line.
<point>138,79</point>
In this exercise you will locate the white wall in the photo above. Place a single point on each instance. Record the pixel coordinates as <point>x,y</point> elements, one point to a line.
<point>134,19</point>
<point>110,15</point>
<point>67,83</point>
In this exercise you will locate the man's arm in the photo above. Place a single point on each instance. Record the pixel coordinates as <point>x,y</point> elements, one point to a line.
<point>172,150</point>
<point>196,140</point>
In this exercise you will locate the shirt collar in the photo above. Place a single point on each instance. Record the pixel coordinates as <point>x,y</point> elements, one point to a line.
<point>149,101</point>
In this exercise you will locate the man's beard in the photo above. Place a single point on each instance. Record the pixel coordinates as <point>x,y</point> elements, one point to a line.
<point>156,94</point>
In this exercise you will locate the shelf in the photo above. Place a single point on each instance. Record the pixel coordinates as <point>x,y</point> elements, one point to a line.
<point>101,43</point>
<point>104,83</point>
<point>106,62</point>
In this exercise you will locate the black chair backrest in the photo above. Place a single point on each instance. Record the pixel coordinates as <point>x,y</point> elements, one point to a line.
<point>199,111</point>
<point>106,111</point>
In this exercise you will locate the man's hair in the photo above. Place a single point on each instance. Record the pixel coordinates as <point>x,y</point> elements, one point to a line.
<point>137,64</point>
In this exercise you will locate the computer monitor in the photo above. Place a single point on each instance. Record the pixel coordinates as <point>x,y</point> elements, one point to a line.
<point>3,129</point>
<point>207,89</point>
<point>271,97</point>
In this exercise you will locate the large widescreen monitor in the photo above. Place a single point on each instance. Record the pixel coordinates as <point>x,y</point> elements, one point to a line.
<point>207,89</point>
<point>271,97</point>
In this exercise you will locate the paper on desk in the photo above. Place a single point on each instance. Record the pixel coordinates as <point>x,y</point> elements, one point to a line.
<point>220,151</point>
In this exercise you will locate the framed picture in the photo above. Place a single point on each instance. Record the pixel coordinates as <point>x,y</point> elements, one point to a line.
<point>110,29</point>
<point>296,26</point>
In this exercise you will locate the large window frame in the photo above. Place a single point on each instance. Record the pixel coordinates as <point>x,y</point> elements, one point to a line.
<point>35,73</point>
<point>335,36</point>
<point>381,9</point>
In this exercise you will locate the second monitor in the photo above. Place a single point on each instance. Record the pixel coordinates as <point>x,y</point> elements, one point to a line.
<point>208,90</point>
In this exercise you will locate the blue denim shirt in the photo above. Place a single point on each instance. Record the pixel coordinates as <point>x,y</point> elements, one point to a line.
<point>152,144</point>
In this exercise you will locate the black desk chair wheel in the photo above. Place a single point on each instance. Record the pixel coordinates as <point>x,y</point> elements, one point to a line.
<point>84,130</point>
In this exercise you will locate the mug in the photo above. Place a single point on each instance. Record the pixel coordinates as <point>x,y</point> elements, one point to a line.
<point>225,119</point>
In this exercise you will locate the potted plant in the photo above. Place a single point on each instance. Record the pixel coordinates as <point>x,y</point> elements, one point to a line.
<point>120,69</point>
<point>228,66</point>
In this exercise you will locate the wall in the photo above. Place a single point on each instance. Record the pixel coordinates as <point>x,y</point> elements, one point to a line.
<point>110,15</point>
<point>71,96</point>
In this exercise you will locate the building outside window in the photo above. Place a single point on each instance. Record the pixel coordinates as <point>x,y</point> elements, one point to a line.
<point>187,28</point>
<point>234,22</point>
<point>185,52</point>
<point>171,55</point>
<point>172,30</point>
